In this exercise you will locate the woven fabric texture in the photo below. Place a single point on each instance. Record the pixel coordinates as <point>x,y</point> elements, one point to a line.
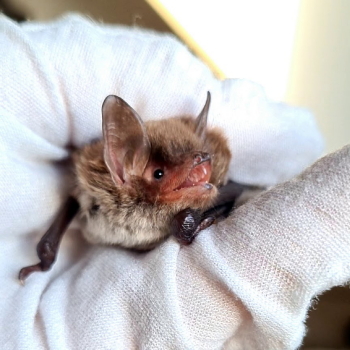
<point>246,283</point>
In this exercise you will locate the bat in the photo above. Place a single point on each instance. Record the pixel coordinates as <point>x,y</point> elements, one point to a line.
<point>143,182</point>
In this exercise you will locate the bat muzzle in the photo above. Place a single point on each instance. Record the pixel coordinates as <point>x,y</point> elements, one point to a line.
<point>200,173</point>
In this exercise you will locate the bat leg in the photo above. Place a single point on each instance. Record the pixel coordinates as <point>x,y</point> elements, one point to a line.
<point>186,225</point>
<point>48,246</point>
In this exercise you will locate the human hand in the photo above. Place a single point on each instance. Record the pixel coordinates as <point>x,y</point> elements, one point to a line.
<point>54,79</point>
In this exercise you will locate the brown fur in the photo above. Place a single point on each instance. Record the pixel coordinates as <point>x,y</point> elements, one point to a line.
<point>137,215</point>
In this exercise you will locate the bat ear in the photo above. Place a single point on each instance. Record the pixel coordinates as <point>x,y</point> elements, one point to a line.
<point>201,121</point>
<point>126,144</point>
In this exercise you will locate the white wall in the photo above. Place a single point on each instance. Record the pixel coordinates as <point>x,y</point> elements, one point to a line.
<point>251,39</point>
<point>320,73</point>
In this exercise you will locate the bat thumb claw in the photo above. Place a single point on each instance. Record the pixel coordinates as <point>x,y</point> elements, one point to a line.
<point>26,271</point>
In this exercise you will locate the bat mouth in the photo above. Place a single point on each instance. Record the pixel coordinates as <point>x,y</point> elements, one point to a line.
<point>198,176</point>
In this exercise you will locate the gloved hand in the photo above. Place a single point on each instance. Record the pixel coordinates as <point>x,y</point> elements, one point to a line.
<point>244,284</point>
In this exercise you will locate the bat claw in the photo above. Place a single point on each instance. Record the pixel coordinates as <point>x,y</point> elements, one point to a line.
<point>26,271</point>
<point>188,223</point>
<point>185,224</point>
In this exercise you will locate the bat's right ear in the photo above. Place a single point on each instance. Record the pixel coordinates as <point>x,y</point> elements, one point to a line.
<point>202,119</point>
<point>126,144</point>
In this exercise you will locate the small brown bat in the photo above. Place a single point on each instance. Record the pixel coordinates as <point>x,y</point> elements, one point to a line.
<point>145,181</point>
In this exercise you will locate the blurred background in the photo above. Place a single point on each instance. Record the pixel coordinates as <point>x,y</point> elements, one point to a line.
<point>299,50</point>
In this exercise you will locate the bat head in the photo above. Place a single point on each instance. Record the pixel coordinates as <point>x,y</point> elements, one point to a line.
<point>165,159</point>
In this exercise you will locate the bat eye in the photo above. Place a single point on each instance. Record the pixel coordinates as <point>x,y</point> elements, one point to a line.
<point>158,174</point>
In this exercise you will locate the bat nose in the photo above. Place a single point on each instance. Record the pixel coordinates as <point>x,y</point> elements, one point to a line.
<point>200,157</point>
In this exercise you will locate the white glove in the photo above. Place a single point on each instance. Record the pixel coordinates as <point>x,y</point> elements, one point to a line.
<point>244,284</point>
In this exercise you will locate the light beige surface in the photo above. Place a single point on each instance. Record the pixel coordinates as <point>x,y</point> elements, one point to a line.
<point>320,75</point>
<point>249,39</point>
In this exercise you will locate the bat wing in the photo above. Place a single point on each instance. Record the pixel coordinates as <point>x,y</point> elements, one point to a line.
<point>186,225</point>
<point>48,246</point>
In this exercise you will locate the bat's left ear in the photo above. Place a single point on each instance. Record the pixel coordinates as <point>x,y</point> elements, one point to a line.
<point>126,144</point>
<point>201,121</point>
